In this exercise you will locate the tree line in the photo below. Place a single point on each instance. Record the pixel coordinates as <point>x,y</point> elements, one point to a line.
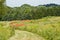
<point>26,11</point>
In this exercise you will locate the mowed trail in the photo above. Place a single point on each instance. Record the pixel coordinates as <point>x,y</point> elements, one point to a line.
<point>24,35</point>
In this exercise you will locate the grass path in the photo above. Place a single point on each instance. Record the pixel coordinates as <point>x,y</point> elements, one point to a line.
<point>24,35</point>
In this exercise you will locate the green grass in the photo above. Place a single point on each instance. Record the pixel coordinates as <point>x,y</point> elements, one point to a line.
<point>48,28</point>
<point>5,31</point>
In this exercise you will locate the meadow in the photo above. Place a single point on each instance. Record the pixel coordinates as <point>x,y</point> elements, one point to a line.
<point>47,28</point>
<point>28,22</point>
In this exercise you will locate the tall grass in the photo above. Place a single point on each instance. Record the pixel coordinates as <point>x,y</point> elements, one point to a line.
<point>46,27</point>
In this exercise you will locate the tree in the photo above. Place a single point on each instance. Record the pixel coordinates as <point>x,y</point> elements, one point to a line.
<point>2,9</point>
<point>2,1</point>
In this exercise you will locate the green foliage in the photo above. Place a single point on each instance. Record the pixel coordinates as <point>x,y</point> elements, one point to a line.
<point>2,1</point>
<point>5,32</point>
<point>27,12</point>
<point>2,9</point>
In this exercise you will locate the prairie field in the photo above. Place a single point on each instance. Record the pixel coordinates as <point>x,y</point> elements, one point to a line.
<point>29,20</point>
<point>47,28</point>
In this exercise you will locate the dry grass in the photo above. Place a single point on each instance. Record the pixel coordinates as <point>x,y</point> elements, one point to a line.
<point>24,35</point>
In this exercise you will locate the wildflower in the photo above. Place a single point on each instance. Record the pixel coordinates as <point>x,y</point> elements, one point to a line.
<point>13,24</point>
<point>19,25</point>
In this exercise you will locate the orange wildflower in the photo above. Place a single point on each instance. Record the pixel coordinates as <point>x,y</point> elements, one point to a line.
<point>19,24</point>
<point>13,24</point>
